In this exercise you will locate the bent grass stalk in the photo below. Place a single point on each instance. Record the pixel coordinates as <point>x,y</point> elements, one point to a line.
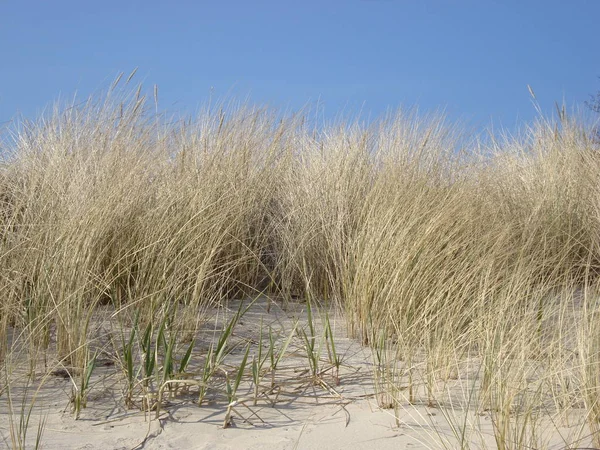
<point>231,389</point>
<point>258,362</point>
<point>80,391</point>
<point>276,355</point>
<point>334,358</point>
<point>128,362</point>
<point>217,353</point>
<point>19,429</point>
<point>312,343</point>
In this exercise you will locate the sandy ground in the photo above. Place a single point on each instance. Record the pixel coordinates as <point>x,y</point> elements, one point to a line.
<point>302,414</point>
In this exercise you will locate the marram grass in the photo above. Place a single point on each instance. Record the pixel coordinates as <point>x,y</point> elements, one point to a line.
<point>439,253</point>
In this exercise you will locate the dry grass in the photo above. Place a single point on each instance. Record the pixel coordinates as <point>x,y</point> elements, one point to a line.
<point>471,268</point>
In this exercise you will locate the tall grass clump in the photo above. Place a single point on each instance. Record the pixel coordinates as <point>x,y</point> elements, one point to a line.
<point>75,185</point>
<point>320,199</point>
<point>104,204</point>
<point>458,251</point>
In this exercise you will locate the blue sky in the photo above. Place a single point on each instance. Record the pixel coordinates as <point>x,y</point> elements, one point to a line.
<point>472,58</point>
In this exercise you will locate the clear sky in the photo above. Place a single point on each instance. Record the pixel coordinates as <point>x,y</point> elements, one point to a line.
<point>472,58</point>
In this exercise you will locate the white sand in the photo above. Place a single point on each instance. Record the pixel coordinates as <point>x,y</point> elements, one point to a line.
<point>304,416</point>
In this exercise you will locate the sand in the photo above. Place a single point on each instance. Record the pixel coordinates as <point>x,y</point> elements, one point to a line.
<point>302,413</point>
